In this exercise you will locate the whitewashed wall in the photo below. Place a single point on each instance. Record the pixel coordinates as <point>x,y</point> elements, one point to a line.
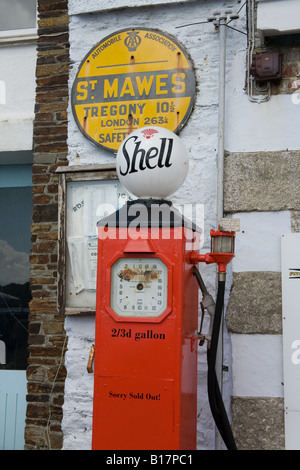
<point>17,76</point>
<point>246,130</point>
<point>257,359</point>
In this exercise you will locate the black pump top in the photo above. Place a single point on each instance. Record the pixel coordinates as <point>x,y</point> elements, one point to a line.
<point>148,213</point>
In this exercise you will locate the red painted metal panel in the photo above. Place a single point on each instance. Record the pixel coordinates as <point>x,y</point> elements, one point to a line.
<point>146,368</point>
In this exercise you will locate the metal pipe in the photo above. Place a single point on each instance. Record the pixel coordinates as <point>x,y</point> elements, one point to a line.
<point>220,177</point>
<point>221,116</point>
<point>250,49</point>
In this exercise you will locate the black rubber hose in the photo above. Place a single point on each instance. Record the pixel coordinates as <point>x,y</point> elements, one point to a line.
<point>215,397</point>
<point>200,280</point>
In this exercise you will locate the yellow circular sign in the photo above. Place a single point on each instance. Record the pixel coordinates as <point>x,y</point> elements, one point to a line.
<point>133,78</point>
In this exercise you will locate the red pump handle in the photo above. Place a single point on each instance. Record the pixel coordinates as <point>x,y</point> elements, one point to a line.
<point>222,259</point>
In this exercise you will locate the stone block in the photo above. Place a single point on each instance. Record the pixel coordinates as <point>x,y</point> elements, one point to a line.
<point>295,221</point>
<point>258,423</point>
<point>255,305</point>
<point>262,181</point>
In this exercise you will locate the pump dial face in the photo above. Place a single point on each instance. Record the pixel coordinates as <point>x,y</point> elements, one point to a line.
<point>139,287</point>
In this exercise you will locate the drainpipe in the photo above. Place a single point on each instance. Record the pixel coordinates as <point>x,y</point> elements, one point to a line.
<point>220,179</point>
<point>221,117</point>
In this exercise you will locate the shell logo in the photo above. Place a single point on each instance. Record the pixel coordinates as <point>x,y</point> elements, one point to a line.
<point>152,163</point>
<point>148,133</point>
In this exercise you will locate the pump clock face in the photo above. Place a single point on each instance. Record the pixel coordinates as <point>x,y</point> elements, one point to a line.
<point>139,287</point>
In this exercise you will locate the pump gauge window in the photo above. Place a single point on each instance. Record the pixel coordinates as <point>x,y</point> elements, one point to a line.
<point>139,287</point>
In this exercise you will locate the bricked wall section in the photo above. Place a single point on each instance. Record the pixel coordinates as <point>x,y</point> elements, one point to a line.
<point>46,372</point>
<point>253,181</point>
<point>288,46</point>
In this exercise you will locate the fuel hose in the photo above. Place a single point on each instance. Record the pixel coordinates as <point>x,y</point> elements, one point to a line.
<point>214,394</point>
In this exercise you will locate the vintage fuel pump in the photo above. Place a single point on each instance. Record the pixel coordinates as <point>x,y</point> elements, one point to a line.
<point>146,337</point>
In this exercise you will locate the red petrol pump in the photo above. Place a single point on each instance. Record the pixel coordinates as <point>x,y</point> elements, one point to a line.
<point>146,335</point>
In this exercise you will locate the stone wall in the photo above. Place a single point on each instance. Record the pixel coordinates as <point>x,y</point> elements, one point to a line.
<point>263,182</point>
<point>261,177</point>
<point>46,372</point>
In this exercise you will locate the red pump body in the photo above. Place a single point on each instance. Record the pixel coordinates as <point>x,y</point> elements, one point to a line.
<point>145,370</point>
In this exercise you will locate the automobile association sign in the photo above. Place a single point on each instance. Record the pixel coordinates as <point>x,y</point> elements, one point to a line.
<point>131,79</point>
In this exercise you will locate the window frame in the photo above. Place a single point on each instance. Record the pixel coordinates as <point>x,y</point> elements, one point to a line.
<point>16,176</point>
<point>74,173</point>
<point>20,34</point>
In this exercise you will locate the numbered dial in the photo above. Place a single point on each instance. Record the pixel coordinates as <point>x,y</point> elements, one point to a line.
<point>139,287</point>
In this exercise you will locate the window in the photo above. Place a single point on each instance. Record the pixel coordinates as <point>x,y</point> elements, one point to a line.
<point>15,244</point>
<point>17,19</point>
<point>86,194</point>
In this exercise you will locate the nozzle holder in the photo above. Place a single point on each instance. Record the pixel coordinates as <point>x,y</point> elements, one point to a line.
<point>222,250</point>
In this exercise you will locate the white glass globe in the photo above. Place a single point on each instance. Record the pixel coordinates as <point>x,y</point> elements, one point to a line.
<point>152,162</point>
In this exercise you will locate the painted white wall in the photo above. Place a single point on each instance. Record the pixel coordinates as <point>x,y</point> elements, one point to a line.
<point>251,126</point>
<point>257,362</point>
<point>278,17</point>
<point>254,127</point>
<point>78,402</point>
<point>257,365</point>
<point>17,72</point>
<point>258,241</point>
<point>78,6</point>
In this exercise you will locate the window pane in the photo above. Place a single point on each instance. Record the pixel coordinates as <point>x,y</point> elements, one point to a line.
<point>15,217</point>
<point>17,14</point>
